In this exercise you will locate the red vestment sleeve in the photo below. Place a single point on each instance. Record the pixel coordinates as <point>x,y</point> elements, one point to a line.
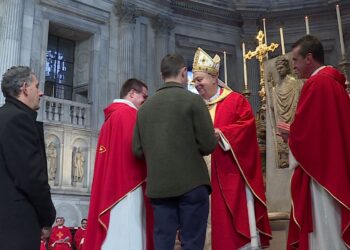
<point>79,235</point>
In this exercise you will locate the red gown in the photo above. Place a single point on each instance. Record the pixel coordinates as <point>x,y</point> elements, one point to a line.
<point>117,172</point>
<point>320,141</point>
<point>79,238</point>
<point>42,245</point>
<point>231,171</point>
<point>59,233</point>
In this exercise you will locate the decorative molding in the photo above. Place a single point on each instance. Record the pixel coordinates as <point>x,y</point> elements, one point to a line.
<point>207,12</point>
<point>78,9</point>
<point>126,12</point>
<point>193,42</point>
<point>163,24</point>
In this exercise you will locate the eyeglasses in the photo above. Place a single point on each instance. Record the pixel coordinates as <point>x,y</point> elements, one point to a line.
<point>145,96</point>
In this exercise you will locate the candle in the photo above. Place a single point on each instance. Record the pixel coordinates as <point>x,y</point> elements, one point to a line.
<point>244,67</point>
<point>342,48</point>
<point>307,25</point>
<point>225,67</point>
<point>264,24</point>
<point>282,41</point>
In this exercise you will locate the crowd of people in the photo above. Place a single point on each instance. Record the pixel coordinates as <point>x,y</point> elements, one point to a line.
<point>61,237</point>
<point>181,165</point>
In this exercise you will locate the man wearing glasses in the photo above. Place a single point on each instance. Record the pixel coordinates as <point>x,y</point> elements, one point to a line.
<point>117,207</point>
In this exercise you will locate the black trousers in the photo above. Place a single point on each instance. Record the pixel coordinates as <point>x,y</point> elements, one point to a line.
<point>187,213</point>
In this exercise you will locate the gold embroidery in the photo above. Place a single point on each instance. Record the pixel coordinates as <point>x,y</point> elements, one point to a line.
<point>102,149</point>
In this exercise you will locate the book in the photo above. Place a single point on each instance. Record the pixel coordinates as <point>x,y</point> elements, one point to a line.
<point>224,144</point>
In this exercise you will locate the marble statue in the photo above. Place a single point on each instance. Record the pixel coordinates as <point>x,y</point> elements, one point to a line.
<point>78,165</point>
<point>51,155</point>
<point>284,96</point>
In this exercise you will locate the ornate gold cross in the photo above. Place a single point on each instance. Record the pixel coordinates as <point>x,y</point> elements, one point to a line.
<point>260,54</point>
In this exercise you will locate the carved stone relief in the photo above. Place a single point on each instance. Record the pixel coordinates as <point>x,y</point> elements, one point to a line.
<point>127,12</point>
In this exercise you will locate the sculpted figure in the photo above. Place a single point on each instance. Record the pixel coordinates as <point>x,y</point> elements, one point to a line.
<point>285,96</point>
<point>78,165</point>
<point>51,155</point>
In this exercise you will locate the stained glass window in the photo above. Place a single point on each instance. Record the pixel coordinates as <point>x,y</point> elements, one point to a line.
<point>59,68</point>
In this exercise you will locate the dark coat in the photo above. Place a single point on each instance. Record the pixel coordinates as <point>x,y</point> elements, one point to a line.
<point>173,131</point>
<point>26,204</point>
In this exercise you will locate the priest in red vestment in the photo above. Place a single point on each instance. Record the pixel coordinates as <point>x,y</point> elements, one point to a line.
<point>45,235</point>
<point>117,205</point>
<point>238,204</point>
<point>79,236</point>
<point>42,244</point>
<point>319,142</point>
<point>61,237</point>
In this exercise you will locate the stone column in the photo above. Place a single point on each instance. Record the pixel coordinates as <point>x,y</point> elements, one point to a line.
<point>162,26</point>
<point>127,14</point>
<point>10,36</point>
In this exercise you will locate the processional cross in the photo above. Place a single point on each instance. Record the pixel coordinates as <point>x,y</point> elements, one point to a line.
<point>260,54</point>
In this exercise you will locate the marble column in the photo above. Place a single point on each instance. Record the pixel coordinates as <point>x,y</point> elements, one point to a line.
<point>127,14</point>
<point>162,26</point>
<point>10,36</point>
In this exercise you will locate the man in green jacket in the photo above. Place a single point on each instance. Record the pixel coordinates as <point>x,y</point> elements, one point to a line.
<point>173,131</point>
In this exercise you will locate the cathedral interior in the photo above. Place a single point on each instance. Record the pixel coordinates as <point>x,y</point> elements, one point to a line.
<point>83,50</point>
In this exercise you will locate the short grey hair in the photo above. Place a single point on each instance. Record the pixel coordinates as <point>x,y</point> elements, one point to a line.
<point>13,80</point>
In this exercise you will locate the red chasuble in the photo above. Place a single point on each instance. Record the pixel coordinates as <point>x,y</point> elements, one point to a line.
<point>42,245</point>
<point>57,234</point>
<point>320,141</point>
<point>231,171</point>
<point>117,173</point>
<point>79,238</point>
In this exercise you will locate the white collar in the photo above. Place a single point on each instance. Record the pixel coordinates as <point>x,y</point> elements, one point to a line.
<point>125,102</point>
<point>214,96</point>
<point>317,70</point>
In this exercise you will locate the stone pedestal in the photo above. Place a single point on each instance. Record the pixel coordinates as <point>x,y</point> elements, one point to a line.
<point>279,226</point>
